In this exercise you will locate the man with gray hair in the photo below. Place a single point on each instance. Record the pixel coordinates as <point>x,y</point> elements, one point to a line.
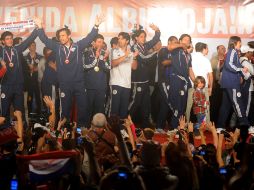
<point>104,140</point>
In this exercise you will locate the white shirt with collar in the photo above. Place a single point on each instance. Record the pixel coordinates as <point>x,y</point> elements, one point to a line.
<point>121,74</point>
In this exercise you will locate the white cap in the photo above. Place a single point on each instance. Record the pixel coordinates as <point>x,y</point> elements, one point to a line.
<point>99,120</point>
<point>246,49</point>
<point>38,125</point>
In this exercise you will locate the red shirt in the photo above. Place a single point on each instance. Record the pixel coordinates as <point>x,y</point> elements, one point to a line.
<point>199,101</point>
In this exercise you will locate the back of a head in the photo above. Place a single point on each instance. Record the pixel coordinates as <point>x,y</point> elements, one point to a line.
<point>121,179</point>
<point>148,133</point>
<point>113,41</point>
<point>233,41</point>
<point>200,46</point>
<point>150,154</point>
<point>99,120</point>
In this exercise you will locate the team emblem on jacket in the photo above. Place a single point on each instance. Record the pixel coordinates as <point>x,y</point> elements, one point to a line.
<point>181,92</point>
<point>139,89</point>
<point>3,95</point>
<point>238,94</point>
<point>114,92</point>
<point>37,60</point>
<point>62,94</point>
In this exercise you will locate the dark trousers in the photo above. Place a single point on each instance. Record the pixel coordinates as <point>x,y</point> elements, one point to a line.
<point>164,110</point>
<point>215,102</point>
<point>232,97</point>
<point>95,102</point>
<point>177,99</point>
<point>34,93</point>
<point>11,94</point>
<point>119,101</point>
<point>68,91</point>
<point>140,101</point>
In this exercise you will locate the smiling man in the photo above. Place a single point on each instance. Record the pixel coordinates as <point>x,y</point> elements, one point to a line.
<point>70,68</point>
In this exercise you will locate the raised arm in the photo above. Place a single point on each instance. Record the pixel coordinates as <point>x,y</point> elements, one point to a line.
<point>150,44</point>
<point>85,42</point>
<point>24,45</point>
<point>48,42</point>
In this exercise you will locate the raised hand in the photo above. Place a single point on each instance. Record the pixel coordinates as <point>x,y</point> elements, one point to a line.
<point>190,126</point>
<point>182,122</point>
<point>154,27</point>
<point>37,22</point>
<point>48,101</point>
<point>99,19</point>
<point>17,114</point>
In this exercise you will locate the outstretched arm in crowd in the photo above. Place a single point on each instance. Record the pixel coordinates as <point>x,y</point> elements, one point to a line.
<point>114,125</point>
<point>212,129</point>
<point>51,106</point>
<point>19,129</point>
<point>219,151</point>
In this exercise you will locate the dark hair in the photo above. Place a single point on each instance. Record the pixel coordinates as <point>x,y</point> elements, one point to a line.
<point>5,34</point>
<point>219,47</point>
<point>67,30</point>
<point>233,41</point>
<point>199,79</point>
<point>121,178</point>
<point>200,46</point>
<point>33,42</point>
<point>16,40</point>
<point>114,41</point>
<point>125,35</point>
<point>150,153</point>
<point>98,36</point>
<point>171,38</point>
<point>183,36</point>
<point>139,32</point>
<point>148,133</point>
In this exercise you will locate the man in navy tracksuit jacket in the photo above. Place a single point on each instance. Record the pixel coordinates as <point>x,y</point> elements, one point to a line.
<point>164,69</point>
<point>140,77</point>
<point>12,82</point>
<point>70,69</point>
<point>231,84</point>
<point>179,84</point>
<point>96,67</point>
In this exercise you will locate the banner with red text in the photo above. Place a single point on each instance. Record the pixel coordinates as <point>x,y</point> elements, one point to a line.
<point>199,18</point>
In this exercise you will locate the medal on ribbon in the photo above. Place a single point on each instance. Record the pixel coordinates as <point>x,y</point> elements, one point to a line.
<point>67,61</point>
<point>9,58</point>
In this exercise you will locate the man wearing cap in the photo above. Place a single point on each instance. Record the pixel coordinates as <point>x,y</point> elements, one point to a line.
<point>104,140</point>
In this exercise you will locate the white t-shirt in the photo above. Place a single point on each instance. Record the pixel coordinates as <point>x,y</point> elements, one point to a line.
<point>201,66</point>
<point>121,74</point>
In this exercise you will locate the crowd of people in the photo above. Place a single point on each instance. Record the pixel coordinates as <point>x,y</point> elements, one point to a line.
<point>102,107</point>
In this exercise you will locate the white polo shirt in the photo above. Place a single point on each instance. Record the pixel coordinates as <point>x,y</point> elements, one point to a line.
<point>121,74</point>
<point>201,66</point>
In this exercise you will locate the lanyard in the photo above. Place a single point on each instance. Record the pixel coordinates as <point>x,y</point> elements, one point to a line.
<point>9,57</point>
<point>67,55</point>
